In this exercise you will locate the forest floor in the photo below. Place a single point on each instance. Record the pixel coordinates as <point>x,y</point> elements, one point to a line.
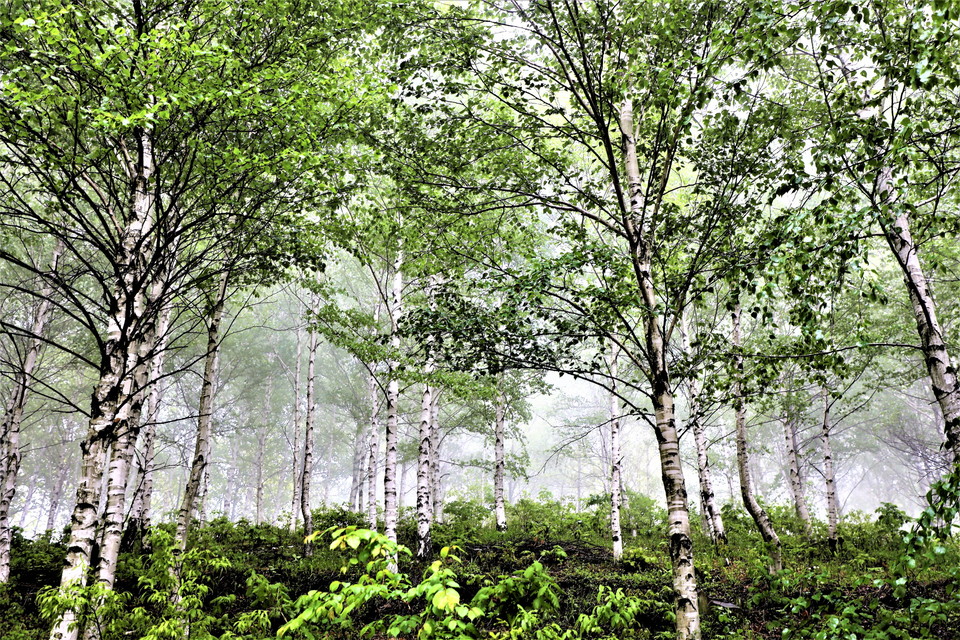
<point>551,576</point>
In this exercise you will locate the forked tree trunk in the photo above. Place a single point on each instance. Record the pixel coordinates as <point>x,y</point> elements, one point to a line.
<point>760,517</point>
<point>306,470</point>
<point>13,418</point>
<point>796,479</point>
<point>499,462</point>
<point>943,376</point>
<point>116,402</point>
<point>424,503</point>
<point>668,441</point>
<point>708,500</point>
<point>193,494</point>
<point>393,406</point>
<point>615,460</point>
<point>829,475</point>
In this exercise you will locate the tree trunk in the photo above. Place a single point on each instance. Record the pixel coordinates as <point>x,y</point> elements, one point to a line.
<point>393,402</point>
<point>708,501</point>
<point>193,494</point>
<point>258,463</point>
<point>356,471</point>
<point>436,479</point>
<point>13,417</point>
<point>943,376</point>
<point>306,470</point>
<point>796,479</point>
<point>833,509</point>
<point>760,517</point>
<point>142,502</point>
<point>57,494</point>
<point>295,498</point>
<point>499,463</point>
<point>424,503</point>
<point>615,460</point>
<point>374,454</point>
<point>117,399</point>
<point>668,441</point>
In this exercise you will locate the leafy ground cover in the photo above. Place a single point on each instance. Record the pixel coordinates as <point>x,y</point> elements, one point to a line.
<point>550,576</point>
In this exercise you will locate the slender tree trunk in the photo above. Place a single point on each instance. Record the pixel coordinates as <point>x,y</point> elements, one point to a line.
<point>943,376</point>
<point>13,417</point>
<point>424,506</point>
<point>140,510</point>
<point>117,399</point>
<point>258,463</point>
<point>193,494</point>
<point>499,463</point>
<point>57,494</point>
<point>306,470</point>
<point>711,513</point>
<point>668,441</point>
<point>356,471</point>
<point>373,454</point>
<point>796,479</point>
<point>829,475</point>
<point>615,460</point>
<point>295,499</point>
<point>436,478</point>
<point>760,517</point>
<point>393,406</point>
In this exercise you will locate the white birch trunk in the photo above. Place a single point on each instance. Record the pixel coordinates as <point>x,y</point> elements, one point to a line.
<point>393,404</point>
<point>760,517</point>
<point>424,506</point>
<point>306,470</point>
<point>668,441</point>
<point>295,497</point>
<point>117,398</point>
<point>940,368</point>
<point>373,451</point>
<point>616,533</point>
<point>708,501</point>
<point>57,494</point>
<point>13,418</point>
<point>192,503</point>
<point>499,463</point>
<point>829,475</point>
<point>796,479</point>
<point>436,479</point>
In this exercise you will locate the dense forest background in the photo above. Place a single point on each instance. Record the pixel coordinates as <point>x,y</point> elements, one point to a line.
<point>548,319</point>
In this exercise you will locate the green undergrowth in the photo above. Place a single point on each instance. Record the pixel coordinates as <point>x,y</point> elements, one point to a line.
<point>550,576</point>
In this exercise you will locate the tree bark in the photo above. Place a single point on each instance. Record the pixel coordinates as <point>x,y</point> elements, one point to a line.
<point>13,418</point>
<point>668,441</point>
<point>393,402</point>
<point>499,463</point>
<point>760,517</point>
<point>373,453</point>
<point>829,474</point>
<point>616,533</point>
<point>117,399</point>
<point>295,498</point>
<point>943,376</point>
<point>796,479</point>
<point>306,470</point>
<point>57,494</point>
<point>708,501</point>
<point>436,478</point>
<point>424,503</point>
<point>193,494</point>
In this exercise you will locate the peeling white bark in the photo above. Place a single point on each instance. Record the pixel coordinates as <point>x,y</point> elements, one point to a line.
<point>306,470</point>
<point>615,459</point>
<point>393,402</point>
